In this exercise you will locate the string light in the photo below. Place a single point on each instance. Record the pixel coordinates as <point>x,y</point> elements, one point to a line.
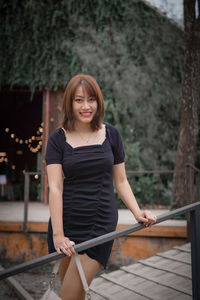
<point>3,154</point>
<point>3,157</point>
<point>37,137</point>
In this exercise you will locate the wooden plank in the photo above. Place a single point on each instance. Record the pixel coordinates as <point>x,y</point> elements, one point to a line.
<point>159,231</point>
<point>11,226</point>
<point>146,288</point>
<point>37,226</point>
<point>168,268</point>
<point>18,226</point>
<point>126,286</point>
<point>183,249</point>
<point>186,259</point>
<point>156,231</point>
<point>171,281</point>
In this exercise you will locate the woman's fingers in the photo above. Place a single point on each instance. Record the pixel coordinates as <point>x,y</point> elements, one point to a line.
<point>147,218</point>
<point>151,218</point>
<point>64,245</point>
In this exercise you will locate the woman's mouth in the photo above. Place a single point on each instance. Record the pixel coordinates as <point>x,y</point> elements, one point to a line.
<point>86,114</point>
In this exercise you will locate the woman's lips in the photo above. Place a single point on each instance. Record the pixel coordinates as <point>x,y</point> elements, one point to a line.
<point>86,114</point>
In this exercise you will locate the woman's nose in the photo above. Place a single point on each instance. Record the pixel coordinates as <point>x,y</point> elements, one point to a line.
<point>86,104</point>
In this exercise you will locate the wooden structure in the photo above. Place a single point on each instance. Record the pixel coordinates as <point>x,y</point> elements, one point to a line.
<point>193,209</point>
<point>52,119</point>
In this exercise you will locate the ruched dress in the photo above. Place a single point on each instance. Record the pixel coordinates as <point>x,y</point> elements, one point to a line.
<point>89,205</point>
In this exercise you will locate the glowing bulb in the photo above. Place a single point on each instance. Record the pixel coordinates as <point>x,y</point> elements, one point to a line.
<point>36,176</point>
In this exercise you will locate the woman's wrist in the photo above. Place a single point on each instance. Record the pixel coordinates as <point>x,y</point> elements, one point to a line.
<point>58,234</point>
<point>137,214</point>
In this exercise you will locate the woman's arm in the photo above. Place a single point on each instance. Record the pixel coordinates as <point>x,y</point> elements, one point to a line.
<point>55,180</point>
<point>124,190</point>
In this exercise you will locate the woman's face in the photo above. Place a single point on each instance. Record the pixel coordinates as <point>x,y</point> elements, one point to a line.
<point>84,106</point>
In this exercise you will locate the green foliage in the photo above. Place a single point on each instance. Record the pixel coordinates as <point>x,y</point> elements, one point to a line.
<point>135,54</point>
<point>152,189</point>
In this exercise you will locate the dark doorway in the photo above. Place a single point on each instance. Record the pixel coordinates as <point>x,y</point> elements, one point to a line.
<point>21,130</point>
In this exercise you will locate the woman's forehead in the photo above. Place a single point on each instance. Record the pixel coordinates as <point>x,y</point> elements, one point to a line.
<point>85,90</point>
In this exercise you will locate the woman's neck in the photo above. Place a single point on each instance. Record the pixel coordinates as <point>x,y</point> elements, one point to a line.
<point>84,128</point>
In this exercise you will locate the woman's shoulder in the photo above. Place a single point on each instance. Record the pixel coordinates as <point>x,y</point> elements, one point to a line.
<point>56,133</point>
<point>112,130</point>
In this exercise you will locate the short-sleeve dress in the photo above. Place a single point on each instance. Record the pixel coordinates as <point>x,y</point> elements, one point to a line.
<point>89,205</point>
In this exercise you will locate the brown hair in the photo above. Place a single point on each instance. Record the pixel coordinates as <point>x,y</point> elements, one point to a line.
<point>92,88</point>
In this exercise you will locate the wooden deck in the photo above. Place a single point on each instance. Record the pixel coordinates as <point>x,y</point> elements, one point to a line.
<point>164,276</point>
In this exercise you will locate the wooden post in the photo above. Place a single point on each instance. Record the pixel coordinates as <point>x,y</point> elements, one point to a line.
<point>52,119</point>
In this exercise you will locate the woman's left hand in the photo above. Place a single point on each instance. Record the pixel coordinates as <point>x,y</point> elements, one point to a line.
<point>147,218</point>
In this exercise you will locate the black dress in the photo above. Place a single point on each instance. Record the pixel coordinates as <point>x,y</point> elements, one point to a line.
<point>89,206</point>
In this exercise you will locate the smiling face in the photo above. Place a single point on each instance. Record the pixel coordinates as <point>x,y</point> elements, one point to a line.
<point>75,107</point>
<point>84,106</point>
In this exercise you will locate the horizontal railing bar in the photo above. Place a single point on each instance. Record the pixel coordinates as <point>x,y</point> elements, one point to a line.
<point>193,167</point>
<point>96,241</point>
<point>139,172</point>
<point>33,173</point>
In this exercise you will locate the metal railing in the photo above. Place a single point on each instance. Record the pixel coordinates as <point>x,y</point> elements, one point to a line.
<point>194,210</point>
<point>26,196</point>
<point>191,186</point>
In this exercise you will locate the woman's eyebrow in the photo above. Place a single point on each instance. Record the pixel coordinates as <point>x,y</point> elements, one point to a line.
<point>79,96</point>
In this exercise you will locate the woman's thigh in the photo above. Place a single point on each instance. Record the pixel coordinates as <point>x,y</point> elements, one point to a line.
<point>64,264</point>
<point>72,288</point>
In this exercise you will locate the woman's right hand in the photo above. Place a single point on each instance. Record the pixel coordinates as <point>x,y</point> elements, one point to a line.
<point>63,244</point>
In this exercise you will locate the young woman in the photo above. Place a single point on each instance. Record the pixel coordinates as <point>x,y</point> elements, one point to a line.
<point>89,155</point>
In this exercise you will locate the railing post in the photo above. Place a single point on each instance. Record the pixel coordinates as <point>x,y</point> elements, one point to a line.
<point>197,183</point>
<point>189,193</point>
<point>26,199</point>
<point>195,252</point>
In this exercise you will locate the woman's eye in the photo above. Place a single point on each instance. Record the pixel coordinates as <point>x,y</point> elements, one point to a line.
<point>78,100</point>
<point>91,99</point>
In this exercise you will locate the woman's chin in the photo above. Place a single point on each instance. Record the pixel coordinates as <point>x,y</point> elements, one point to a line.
<point>84,120</point>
